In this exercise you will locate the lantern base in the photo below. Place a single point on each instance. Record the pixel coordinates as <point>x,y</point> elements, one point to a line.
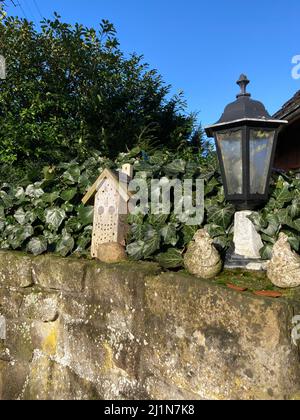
<point>247,205</point>
<point>234,261</point>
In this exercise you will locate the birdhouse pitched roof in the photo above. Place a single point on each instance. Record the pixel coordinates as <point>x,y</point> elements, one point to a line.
<point>114,177</point>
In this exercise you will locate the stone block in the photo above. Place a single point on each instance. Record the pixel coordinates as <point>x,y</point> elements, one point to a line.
<point>13,376</point>
<point>215,343</point>
<point>49,380</point>
<point>18,340</point>
<point>57,273</point>
<point>39,305</point>
<point>10,302</point>
<point>15,270</point>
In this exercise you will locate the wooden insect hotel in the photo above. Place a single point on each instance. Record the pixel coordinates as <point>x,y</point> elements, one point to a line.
<point>111,207</point>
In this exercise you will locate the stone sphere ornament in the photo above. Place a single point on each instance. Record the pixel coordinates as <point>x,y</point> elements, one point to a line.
<point>111,253</point>
<point>202,258</point>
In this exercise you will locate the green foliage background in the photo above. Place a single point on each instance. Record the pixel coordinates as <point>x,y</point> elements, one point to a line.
<point>71,90</point>
<point>48,216</point>
<point>72,96</point>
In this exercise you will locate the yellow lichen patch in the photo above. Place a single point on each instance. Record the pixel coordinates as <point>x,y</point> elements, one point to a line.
<point>45,336</point>
<point>49,345</point>
<point>108,362</point>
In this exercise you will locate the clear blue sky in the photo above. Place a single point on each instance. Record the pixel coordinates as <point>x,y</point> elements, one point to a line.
<point>200,47</point>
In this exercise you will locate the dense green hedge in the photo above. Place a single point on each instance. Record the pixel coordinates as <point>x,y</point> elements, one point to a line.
<point>48,216</point>
<point>70,89</point>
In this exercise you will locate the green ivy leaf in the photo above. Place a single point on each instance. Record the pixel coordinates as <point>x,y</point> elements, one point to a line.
<point>282,194</point>
<point>188,233</point>
<point>273,225</point>
<point>65,245</point>
<point>68,207</point>
<point>84,240</point>
<point>266,252</point>
<point>71,176</point>
<point>293,238</point>
<point>86,215</point>
<point>2,219</point>
<point>37,246</point>
<point>169,234</point>
<point>51,197</point>
<point>157,158</point>
<point>223,242</point>
<point>297,224</point>
<point>158,220</point>
<point>271,205</point>
<point>52,238</point>
<point>74,224</point>
<point>54,217</point>
<point>221,216</point>
<point>295,208</point>
<point>145,167</point>
<point>20,216</point>
<point>135,218</point>
<point>19,194</point>
<point>191,170</point>
<point>211,185</point>
<point>34,191</point>
<point>18,235</point>
<point>5,199</point>
<point>268,238</point>
<point>170,259</point>
<point>137,231</point>
<point>69,194</point>
<point>135,250</point>
<point>258,220</point>
<point>176,167</point>
<point>151,244</point>
<point>284,217</point>
<point>215,230</point>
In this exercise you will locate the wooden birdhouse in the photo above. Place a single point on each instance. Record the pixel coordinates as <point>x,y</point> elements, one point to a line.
<point>111,207</point>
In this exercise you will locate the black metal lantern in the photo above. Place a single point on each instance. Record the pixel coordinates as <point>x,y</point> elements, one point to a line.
<point>246,137</point>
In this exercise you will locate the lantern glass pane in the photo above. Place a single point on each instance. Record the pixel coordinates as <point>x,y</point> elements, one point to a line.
<point>261,146</point>
<point>230,144</point>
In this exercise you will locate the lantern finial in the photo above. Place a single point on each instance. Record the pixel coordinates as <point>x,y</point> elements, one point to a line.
<point>243,82</point>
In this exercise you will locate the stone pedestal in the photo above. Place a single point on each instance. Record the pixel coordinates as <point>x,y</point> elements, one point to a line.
<point>247,245</point>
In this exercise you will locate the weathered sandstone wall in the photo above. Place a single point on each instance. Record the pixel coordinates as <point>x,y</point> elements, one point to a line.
<point>76,329</point>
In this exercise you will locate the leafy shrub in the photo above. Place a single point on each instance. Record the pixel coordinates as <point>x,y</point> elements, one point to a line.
<point>70,89</point>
